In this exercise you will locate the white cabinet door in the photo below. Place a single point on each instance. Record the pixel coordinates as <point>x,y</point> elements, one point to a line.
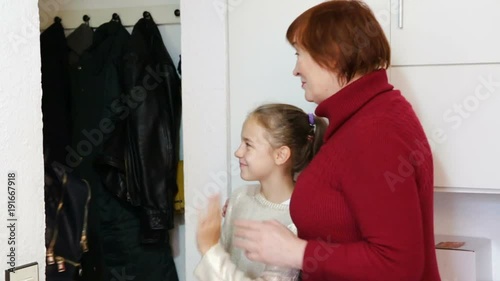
<point>382,11</point>
<point>445,32</point>
<point>459,107</point>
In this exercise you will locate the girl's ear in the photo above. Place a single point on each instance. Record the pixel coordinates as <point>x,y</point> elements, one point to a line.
<point>282,154</point>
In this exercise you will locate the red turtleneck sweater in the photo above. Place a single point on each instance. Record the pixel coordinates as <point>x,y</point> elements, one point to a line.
<point>365,202</point>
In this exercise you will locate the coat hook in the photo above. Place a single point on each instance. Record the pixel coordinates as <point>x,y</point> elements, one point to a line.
<point>86,19</point>
<point>57,20</point>
<point>177,12</point>
<point>116,17</point>
<point>146,15</point>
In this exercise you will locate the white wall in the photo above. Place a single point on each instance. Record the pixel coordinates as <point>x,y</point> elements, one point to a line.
<point>21,132</point>
<point>261,61</point>
<point>205,111</point>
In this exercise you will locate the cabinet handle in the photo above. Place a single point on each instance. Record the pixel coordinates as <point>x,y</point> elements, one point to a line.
<point>400,15</point>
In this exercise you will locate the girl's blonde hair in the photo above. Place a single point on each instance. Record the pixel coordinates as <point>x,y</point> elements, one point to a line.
<point>288,125</point>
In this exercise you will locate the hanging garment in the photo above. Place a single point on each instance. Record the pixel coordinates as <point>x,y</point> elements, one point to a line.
<point>66,209</point>
<point>131,248</point>
<point>125,257</point>
<point>95,84</point>
<point>56,94</point>
<point>139,164</point>
<point>179,68</point>
<point>152,128</point>
<point>79,41</point>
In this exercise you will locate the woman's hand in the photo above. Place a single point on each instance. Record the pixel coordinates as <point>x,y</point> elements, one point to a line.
<point>209,225</point>
<point>269,242</point>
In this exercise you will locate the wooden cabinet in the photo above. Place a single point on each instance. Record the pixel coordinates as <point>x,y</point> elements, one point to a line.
<point>459,107</point>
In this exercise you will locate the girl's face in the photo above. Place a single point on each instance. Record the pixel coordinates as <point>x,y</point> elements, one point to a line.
<point>317,82</point>
<point>255,153</point>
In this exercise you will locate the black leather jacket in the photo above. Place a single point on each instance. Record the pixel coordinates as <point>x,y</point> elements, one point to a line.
<point>139,163</point>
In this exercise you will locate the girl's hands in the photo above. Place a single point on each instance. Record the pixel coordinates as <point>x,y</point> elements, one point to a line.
<point>209,225</point>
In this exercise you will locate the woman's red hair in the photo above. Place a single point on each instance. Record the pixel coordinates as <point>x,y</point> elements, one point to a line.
<point>342,36</point>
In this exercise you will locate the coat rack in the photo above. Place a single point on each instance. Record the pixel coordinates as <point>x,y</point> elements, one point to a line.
<point>71,19</point>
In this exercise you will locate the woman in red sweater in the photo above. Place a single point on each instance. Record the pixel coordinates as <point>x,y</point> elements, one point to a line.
<point>364,205</point>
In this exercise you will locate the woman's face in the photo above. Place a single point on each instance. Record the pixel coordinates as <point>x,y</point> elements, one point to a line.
<point>317,82</point>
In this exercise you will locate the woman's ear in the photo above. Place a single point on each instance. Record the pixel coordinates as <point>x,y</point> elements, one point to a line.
<point>282,154</point>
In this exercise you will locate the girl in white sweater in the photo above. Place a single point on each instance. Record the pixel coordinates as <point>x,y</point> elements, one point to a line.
<point>277,142</point>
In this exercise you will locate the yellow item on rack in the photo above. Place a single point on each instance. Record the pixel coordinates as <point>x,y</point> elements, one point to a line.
<point>179,198</point>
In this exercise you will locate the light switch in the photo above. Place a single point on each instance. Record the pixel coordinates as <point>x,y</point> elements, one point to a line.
<point>27,272</point>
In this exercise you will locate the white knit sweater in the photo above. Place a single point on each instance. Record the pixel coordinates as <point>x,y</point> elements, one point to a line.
<point>223,262</point>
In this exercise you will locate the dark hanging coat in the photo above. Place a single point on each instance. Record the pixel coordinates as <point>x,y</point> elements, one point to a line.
<point>56,93</point>
<point>95,83</point>
<point>139,163</point>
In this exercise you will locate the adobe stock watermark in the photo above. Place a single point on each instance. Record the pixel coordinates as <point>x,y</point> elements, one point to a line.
<point>470,104</point>
<point>407,165</point>
<point>361,36</point>
<point>223,7</point>
<point>455,116</point>
<point>323,250</point>
<point>28,32</point>
<point>218,181</point>
<point>121,109</point>
<point>122,276</point>
<point>384,16</point>
<point>48,9</point>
